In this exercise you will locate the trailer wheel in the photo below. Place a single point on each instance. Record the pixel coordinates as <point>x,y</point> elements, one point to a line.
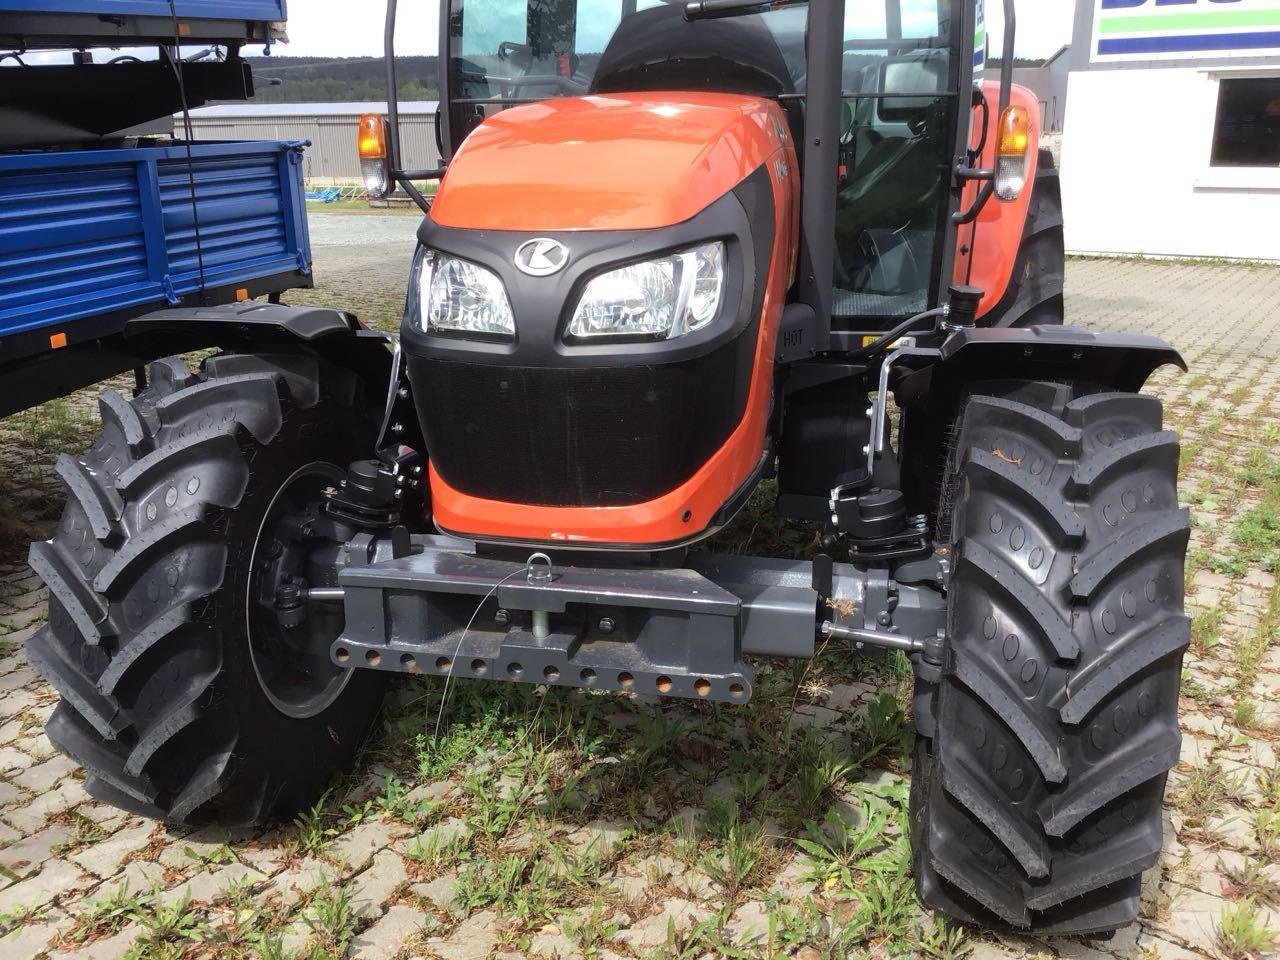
<point>1048,731</point>
<point>181,695</point>
<point>1035,293</point>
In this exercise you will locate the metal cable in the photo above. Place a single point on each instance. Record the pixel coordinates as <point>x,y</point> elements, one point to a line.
<point>175,62</point>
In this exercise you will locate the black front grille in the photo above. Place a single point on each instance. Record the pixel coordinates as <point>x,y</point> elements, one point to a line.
<point>585,436</point>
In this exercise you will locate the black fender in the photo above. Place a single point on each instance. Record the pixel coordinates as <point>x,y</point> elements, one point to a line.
<point>252,327</point>
<point>931,388</point>
<point>1120,361</point>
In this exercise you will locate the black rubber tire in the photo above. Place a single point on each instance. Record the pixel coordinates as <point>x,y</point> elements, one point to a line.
<point>146,641</point>
<point>1034,296</point>
<point>1048,732</point>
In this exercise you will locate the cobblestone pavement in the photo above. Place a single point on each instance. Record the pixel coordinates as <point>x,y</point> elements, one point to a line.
<point>576,825</point>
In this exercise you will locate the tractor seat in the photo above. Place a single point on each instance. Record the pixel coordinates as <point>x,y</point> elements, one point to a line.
<point>657,49</point>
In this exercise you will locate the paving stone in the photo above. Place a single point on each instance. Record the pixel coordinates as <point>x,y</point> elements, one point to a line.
<point>599,839</point>
<point>471,940</point>
<point>31,817</point>
<point>292,885</point>
<point>384,939</point>
<point>370,890</point>
<point>1192,918</point>
<point>652,931</point>
<point>31,939</point>
<point>113,948</point>
<point>209,886</point>
<point>105,858</point>
<point>56,878</point>
<point>357,846</point>
<point>29,852</point>
<point>442,892</point>
<point>140,876</point>
<point>43,776</point>
<point>750,922</point>
<point>1152,947</point>
<point>12,761</point>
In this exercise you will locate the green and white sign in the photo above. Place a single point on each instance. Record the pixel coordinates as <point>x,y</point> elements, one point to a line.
<point>1185,29</point>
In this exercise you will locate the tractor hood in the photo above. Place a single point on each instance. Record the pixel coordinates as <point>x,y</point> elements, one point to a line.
<point>617,162</point>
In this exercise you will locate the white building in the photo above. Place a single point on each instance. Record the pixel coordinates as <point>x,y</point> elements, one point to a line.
<point>1173,144</point>
<point>331,128</point>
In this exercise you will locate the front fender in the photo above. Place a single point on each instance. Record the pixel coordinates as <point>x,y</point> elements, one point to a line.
<point>1119,361</point>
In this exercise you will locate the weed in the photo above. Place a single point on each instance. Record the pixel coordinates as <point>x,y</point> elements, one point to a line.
<point>841,849</point>
<point>737,865</point>
<point>820,769</point>
<point>331,921</point>
<point>18,917</point>
<point>592,934</point>
<point>943,940</point>
<point>394,802</point>
<point>107,916</point>
<point>314,831</point>
<point>1254,881</point>
<point>169,929</point>
<point>86,832</point>
<point>1242,932</point>
<point>442,850</point>
<point>1258,535</point>
<point>1206,627</point>
<point>1202,793</point>
<point>1245,714</point>
<point>218,856</point>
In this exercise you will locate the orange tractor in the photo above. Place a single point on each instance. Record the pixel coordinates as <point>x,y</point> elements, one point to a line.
<point>678,249</point>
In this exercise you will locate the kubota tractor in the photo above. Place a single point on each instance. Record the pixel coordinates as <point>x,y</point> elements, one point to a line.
<point>678,249</point>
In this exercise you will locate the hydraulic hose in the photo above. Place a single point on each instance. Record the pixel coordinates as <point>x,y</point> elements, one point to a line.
<point>901,330</point>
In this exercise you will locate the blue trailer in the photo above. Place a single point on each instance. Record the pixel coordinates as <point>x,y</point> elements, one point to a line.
<point>104,214</point>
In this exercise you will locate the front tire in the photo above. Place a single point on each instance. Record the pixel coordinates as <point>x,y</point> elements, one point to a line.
<point>150,593</point>
<point>1047,734</point>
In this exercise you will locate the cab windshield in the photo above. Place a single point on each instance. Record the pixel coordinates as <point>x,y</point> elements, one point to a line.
<point>900,104</point>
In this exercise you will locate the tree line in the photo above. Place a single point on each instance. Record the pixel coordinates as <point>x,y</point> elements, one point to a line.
<point>339,80</point>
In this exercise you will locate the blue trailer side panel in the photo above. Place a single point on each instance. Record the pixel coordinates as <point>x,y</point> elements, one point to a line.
<point>271,10</point>
<point>90,232</point>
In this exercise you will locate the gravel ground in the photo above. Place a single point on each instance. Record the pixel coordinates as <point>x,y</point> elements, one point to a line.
<point>585,826</point>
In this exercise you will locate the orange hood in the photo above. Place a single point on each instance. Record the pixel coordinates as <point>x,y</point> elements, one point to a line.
<point>618,162</point>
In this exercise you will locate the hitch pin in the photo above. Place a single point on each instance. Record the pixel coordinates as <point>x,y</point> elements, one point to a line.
<point>327,594</point>
<point>872,638</point>
<point>540,573</point>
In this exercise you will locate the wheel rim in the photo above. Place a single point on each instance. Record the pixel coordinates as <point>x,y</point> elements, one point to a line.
<point>292,664</point>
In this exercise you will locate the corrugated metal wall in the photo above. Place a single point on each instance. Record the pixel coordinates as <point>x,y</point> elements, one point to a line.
<point>332,154</point>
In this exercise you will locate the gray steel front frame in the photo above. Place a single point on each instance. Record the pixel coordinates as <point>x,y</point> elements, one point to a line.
<point>686,632</point>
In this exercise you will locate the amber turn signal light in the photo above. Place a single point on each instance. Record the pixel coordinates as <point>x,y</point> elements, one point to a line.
<point>372,137</point>
<point>1013,152</point>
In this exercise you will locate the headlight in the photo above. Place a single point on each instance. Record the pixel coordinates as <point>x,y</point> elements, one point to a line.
<point>662,298</point>
<point>457,296</point>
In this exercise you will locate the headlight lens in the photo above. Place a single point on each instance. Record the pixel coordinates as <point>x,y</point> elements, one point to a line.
<point>457,296</point>
<point>663,298</point>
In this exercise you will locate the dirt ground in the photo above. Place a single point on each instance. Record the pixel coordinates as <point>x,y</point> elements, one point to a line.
<point>573,825</point>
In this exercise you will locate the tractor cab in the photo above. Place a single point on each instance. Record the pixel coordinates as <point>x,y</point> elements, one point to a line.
<point>900,88</point>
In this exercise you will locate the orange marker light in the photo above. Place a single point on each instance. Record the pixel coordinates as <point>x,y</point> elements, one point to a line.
<point>1013,153</point>
<point>1015,132</point>
<point>57,340</point>
<point>242,295</point>
<point>375,166</point>
<point>372,138</point>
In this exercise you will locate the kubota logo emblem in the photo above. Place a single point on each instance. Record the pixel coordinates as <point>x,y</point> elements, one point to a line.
<point>542,257</point>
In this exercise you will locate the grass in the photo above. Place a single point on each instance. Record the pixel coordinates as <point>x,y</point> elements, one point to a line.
<point>1242,933</point>
<point>37,437</point>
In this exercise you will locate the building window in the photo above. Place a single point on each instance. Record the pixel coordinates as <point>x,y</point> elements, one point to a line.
<point>1247,131</point>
